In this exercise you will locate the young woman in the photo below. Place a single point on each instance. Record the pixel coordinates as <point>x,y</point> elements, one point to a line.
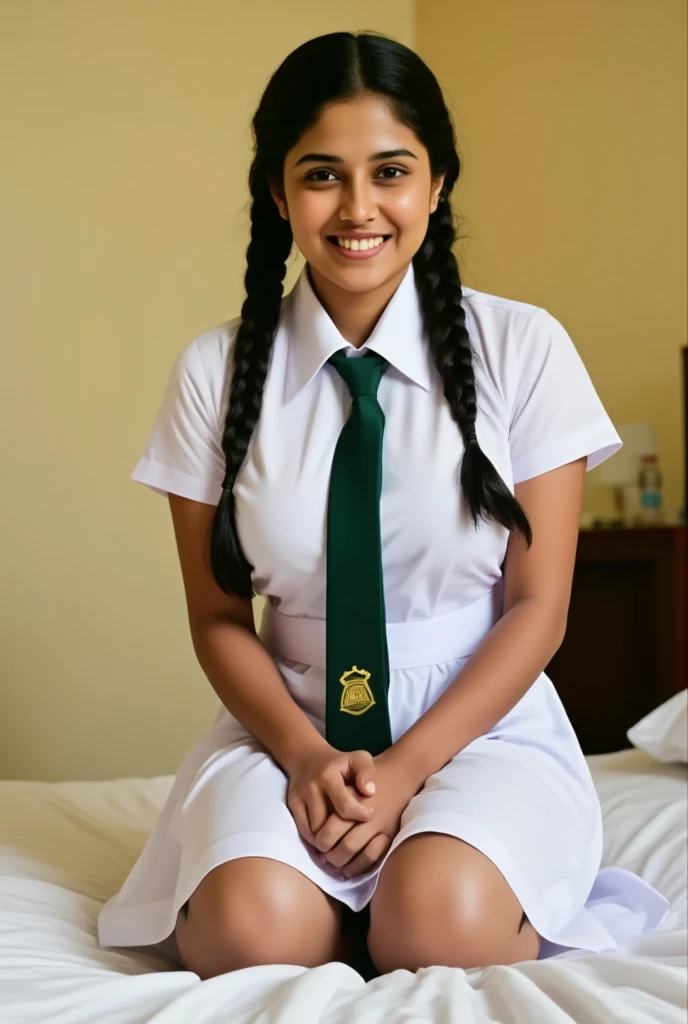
<point>396,462</point>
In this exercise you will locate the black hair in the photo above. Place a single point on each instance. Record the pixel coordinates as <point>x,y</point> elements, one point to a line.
<point>338,67</point>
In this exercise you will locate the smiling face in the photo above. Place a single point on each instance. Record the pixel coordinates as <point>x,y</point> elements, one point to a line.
<point>358,171</point>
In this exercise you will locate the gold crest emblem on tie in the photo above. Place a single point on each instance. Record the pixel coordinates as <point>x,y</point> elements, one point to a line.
<point>357,696</point>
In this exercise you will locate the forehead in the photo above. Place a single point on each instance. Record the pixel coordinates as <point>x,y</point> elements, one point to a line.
<point>355,128</point>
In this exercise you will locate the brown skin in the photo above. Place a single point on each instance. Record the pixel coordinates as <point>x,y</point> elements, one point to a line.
<point>391,197</point>
<point>320,198</point>
<point>482,925</point>
<point>438,900</point>
<point>537,589</point>
<point>319,776</point>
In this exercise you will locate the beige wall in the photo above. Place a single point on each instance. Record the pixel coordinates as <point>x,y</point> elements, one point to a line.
<point>124,231</point>
<point>571,118</point>
<point>124,225</point>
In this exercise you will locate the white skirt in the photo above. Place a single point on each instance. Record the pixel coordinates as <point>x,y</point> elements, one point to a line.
<point>521,793</point>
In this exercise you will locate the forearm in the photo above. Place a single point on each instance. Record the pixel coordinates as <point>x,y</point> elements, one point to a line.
<point>249,684</point>
<point>498,674</point>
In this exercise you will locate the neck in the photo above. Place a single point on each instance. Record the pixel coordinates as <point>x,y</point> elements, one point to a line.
<point>354,314</point>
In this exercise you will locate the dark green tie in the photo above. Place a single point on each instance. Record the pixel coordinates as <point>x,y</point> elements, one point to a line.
<point>357,673</point>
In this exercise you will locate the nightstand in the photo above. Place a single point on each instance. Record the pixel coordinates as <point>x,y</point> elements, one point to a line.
<point>626,644</point>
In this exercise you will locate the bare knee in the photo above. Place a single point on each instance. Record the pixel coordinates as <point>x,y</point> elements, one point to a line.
<point>412,935</point>
<point>253,911</point>
<point>441,902</point>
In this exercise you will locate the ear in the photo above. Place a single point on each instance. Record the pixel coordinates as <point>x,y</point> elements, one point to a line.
<point>277,194</point>
<point>435,193</point>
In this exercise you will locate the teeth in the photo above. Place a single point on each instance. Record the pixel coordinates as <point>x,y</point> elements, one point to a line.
<point>360,244</point>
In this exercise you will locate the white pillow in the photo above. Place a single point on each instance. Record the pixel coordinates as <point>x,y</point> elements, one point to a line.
<point>664,732</point>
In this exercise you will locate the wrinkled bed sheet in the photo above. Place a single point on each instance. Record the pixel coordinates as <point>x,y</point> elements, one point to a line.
<point>65,848</point>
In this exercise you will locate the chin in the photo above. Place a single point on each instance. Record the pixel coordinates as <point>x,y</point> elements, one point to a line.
<point>359,275</point>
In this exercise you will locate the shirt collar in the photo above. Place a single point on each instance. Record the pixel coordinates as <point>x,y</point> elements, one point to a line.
<point>313,337</point>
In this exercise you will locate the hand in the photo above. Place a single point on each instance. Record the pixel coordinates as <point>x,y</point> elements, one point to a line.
<point>354,847</point>
<point>324,780</point>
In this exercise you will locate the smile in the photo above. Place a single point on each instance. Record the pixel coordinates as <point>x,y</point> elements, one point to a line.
<point>358,254</point>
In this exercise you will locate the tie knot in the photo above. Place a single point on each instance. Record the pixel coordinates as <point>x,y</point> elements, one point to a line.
<point>361,374</point>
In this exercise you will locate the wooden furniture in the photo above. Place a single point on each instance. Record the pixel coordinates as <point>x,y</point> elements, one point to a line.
<point>684,364</point>
<point>626,644</point>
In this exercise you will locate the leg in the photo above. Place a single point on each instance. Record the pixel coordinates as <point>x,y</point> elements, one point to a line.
<point>254,910</point>
<point>439,901</point>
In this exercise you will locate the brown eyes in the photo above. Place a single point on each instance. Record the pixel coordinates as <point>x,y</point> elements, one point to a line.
<point>310,177</point>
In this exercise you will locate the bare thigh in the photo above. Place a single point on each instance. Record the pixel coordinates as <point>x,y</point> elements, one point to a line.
<point>254,910</point>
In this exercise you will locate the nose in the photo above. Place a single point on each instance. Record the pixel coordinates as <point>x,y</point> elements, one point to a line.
<point>358,203</point>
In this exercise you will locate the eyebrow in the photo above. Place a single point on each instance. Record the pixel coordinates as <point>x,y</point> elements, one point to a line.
<point>330,158</point>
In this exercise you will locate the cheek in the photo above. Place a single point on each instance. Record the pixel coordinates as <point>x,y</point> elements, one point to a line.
<point>410,211</point>
<point>311,211</point>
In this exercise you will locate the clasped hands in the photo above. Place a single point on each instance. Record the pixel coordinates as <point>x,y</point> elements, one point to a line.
<point>348,805</point>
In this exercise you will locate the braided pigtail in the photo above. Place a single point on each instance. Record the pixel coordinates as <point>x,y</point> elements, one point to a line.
<point>334,68</point>
<point>270,245</point>
<point>439,288</point>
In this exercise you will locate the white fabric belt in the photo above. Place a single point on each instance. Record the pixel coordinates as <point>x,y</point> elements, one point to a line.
<point>410,644</point>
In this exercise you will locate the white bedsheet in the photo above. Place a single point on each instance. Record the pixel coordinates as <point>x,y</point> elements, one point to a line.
<point>66,847</point>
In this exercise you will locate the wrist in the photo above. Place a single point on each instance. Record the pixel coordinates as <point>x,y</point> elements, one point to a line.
<point>294,754</point>
<point>405,769</point>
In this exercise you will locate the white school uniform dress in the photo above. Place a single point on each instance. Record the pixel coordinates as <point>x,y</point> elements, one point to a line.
<point>521,793</point>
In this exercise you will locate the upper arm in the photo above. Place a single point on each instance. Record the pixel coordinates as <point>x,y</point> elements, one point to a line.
<point>205,601</point>
<point>544,572</point>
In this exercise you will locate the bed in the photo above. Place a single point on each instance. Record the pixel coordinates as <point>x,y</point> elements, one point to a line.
<point>66,847</point>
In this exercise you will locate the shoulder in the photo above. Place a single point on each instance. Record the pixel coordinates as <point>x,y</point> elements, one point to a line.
<point>206,362</point>
<point>507,334</point>
<point>211,352</point>
<point>496,306</point>
<point>213,347</point>
<point>199,377</point>
<point>499,321</point>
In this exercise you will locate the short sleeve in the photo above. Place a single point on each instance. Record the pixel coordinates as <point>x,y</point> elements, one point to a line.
<point>556,415</point>
<point>183,453</point>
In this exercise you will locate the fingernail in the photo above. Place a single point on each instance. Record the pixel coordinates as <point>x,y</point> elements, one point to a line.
<point>370,787</point>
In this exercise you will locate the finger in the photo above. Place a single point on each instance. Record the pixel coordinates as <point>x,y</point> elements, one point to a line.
<point>355,840</point>
<point>343,800</point>
<point>368,857</point>
<point>300,815</point>
<point>318,811</point>
<point>334,829</point>
<point>363,771</point>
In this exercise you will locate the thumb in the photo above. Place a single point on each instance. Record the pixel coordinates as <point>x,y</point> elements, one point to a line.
<point>363,771</point>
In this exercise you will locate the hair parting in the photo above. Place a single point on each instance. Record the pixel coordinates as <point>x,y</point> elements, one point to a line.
<point>328,68</point>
